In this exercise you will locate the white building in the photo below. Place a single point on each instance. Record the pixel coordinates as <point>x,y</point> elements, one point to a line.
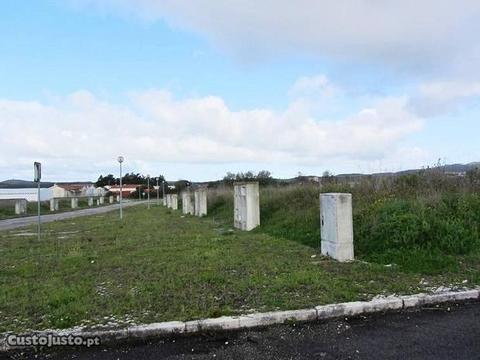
<point>60,190</point>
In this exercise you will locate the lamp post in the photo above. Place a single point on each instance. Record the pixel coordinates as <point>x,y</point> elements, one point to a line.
<point>163,191</point>
<point>148,192</point>
<point>120,161</point>
<point>158,194</point>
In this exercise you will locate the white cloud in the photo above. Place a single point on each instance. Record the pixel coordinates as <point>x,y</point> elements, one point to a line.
<point>82,131</point>
<point>317,85</point>
<point>440,97</point>
<point>407,33</point>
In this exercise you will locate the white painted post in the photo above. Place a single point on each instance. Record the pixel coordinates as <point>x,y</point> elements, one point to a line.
<point>336,226</point>
<point>169,201</point>
<point>174,202</point>
<point>246,205</point>
<point>118,198</point>
<point>187,205</point>
<point>20,206</point>
<point>54,206</point>
<point>102,200</point>
<point>74,203</point>
<point>201,202</point>
<point>110,199</point>
<point>90,201</point>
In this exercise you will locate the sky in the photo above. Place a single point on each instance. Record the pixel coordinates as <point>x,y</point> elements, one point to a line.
<point>192,90</point>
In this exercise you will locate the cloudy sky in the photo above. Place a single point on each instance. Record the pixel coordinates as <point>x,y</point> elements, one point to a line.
<point>193,89</point>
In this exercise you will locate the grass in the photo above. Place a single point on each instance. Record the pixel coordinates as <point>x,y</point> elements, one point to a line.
<point>420,233</point>
<point>64,205</point>
<point>158,265</point>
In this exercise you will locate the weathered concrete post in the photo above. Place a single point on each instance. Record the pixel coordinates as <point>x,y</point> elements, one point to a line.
<point>164,200</point>
<point>169,201</point>
<point>54,204</point>
<point>20,206</point>
<point>200,202</point>
<point>74,203</point>
<point>118,198</point>
<point>110,199</point>
<point>90,201</point>
<point>187,205</point>
<point>98,202</point>
<point>336,225</point>
<point>174,202</point>
<point>102,200</point>
<point>246,205</point>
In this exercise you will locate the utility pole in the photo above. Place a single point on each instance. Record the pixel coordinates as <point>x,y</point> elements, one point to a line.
<point>148,192</point>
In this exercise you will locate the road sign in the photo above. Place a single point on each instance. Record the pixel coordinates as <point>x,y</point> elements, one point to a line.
<point>37,167</point>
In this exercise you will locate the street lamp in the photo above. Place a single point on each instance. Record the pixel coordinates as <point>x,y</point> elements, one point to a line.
<point>163,192</point>
<point>158,197</point>
<point>148,192</point>
<point>120,161</point>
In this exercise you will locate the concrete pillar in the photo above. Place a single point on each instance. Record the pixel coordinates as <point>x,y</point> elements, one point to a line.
<point>90,201</point>
<point>102,200</point>
<point>169,201</point>
<point>164,200</point>
<point>20,206</point>
<point>336,226</point>
<point>201,202</point>
<point>110,199</point>
<point>174,202</point>
<point>98,202</point>
<point>187,205</point>
<point>54,204</point>
<point>118,198</point>
<point>246,205</point>
<point>74,203</point>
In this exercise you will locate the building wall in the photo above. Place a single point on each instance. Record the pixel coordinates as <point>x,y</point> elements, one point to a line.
<point>59,192</point>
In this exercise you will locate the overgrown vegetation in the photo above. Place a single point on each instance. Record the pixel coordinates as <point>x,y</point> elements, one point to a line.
<point>424,223</point>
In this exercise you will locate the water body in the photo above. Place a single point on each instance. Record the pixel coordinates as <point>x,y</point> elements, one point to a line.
<point>26,193</point>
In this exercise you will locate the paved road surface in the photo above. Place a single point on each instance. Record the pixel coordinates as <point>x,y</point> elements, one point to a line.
<point>29,220</point>
<point>447,332</point>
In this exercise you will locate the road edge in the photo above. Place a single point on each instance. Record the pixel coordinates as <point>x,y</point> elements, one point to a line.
<point>225,323</point>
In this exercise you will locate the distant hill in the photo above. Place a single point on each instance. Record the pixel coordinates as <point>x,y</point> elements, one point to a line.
<point>451,168</point>
<point>19,184</point>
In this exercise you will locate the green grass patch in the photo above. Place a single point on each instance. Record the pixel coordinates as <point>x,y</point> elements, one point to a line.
<point>158,265</point>
<point>420,234</point>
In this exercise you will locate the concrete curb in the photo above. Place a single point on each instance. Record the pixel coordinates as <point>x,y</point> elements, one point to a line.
<point>226,323</point>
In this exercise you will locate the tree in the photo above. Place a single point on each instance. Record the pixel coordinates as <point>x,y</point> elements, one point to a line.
<point>105,180</point>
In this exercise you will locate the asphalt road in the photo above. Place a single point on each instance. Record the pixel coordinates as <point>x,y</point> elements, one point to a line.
<point>446,332</point>
<point>14,223</point>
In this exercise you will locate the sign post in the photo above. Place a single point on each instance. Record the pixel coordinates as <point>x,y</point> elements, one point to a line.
<point>37,176</point>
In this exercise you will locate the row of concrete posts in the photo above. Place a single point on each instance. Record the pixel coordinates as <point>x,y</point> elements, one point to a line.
<point>192,203</point>
<point>54,202</point>
<point>21,204</point>
<point>336,220</point>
